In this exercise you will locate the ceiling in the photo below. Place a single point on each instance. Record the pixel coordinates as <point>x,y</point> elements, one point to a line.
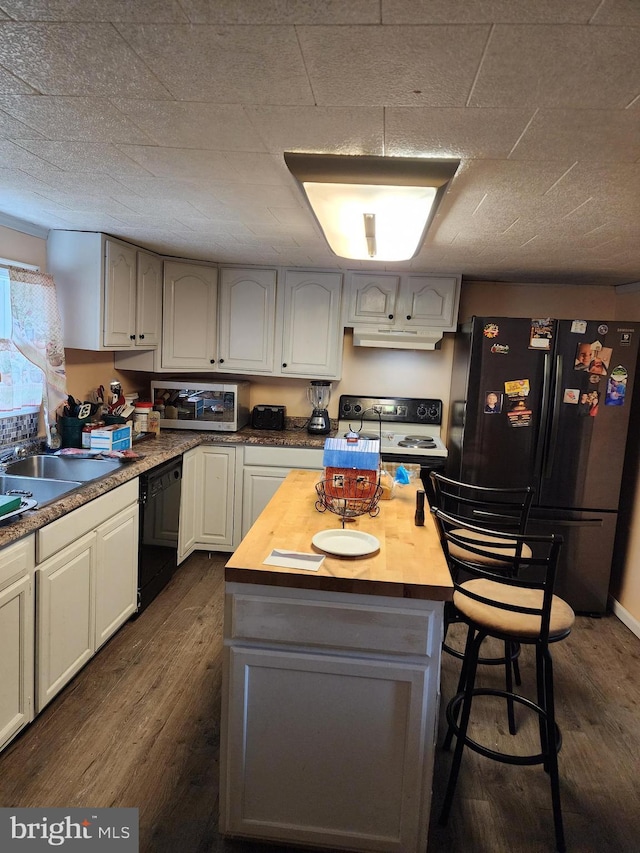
<point>164,122</point>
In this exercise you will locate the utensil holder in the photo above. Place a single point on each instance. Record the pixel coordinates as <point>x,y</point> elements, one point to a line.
<point>71,431</point>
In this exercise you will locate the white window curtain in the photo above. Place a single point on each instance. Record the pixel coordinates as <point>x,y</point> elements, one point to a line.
<point>37,335</point>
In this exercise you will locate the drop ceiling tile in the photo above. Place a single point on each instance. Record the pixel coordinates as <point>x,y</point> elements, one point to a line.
<point>276,12</point>
<point>17,179</point>
<point>394,66</point>
<point>9,83</point>
<point>180,163</point>
<point>91,184</point>
<point>453,132</point>
<point>487,11</point>
<point>95,11</point>
<point>595,135</point>
<point>65,201</point>
<point>11,128</point>
<point>85,157</point>
<point>77,59</point>
<point>617,13</point>
<point>334,130</point>
<point>561,66</point>
<point>257,169</point>
<point>182,124</point>
<point>255,65</point>
<point>73,119</point>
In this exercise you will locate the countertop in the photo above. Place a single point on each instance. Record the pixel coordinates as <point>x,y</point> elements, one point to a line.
<point>409,564</point>
<point>154,450</point>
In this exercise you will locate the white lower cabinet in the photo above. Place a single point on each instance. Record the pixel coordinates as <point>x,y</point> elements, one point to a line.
<point>263,471</point>
<point>208,504</point>
<point>116,573</point>
<point>86,585</point>
<point>66,616</point>
<point>16,637</point>
<point>329,718</point>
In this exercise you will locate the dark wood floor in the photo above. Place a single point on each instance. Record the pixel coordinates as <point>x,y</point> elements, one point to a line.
<point>139,726</point>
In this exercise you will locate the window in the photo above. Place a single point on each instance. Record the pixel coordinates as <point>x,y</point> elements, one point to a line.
<point>21,382</point>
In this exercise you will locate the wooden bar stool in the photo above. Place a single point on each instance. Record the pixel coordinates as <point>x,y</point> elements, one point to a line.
<point>517,606</point>
<point>504,509</point>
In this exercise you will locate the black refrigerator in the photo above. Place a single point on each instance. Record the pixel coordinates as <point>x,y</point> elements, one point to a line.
<point>547,402</point>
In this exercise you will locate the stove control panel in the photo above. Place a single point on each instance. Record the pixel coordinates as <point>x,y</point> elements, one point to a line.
<point>406,410</point>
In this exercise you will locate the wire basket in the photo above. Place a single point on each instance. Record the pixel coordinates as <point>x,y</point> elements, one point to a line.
<point>348,497</point>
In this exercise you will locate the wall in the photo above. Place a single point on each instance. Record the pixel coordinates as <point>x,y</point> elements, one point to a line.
<point>16,246</point>
<point>625,581</point>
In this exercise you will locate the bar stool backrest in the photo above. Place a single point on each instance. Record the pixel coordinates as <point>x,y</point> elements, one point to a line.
<point>505,509</point>
<point>466,550</point>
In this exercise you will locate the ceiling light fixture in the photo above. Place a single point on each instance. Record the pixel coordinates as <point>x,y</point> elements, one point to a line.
<point>372,208</point>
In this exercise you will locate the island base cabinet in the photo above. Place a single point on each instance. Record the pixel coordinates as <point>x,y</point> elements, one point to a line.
<point>329,746</point>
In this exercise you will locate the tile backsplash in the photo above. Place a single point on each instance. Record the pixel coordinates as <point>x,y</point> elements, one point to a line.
<point>18,428</point>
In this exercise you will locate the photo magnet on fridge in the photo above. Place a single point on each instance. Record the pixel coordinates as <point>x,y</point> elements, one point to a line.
<point>541,334</point>
<point>492,403</point>
<point>616,387</point>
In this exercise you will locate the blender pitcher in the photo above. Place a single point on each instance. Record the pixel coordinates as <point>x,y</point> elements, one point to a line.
<point>319,394</point>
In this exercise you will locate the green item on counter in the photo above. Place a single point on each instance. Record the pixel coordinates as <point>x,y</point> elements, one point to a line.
<point>8,503</point>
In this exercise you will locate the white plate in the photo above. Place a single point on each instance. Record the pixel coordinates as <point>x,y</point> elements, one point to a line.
<point>346,543</point>
<point>25,504</point>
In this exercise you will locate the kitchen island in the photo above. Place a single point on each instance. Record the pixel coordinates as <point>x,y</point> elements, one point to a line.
<point>331,679</point>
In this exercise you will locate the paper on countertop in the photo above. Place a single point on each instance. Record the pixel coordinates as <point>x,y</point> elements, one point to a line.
<point>294,560</point>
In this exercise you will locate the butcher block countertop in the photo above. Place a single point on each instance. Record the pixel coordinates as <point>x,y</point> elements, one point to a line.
<point>153,450</point>
<point>409,563</point>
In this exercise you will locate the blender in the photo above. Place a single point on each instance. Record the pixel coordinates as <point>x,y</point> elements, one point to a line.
<point>319,394</point>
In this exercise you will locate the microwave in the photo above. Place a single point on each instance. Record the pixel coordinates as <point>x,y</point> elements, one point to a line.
<point>189,404</point>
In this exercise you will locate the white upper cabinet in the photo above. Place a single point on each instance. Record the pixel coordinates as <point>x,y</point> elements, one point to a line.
<point>189,320</point>
<point>246,320</point>
<point>311,341</point>
<point>149,300</point>
<point>371,298</point>
<point>402,301</point>
<point>119,295</point>
<point>108,291</point>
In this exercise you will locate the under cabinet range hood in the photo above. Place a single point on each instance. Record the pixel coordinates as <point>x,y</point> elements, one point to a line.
<point>413,338</point>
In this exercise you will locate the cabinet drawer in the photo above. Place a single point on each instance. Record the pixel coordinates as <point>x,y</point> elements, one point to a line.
<point>326,623</point>
<point>67,529</point>
<point>284,457</point>
<point>16,561</point>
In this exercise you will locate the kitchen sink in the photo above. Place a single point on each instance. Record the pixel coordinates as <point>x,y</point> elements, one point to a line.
<point>62,468</point>
<point>42,490</point>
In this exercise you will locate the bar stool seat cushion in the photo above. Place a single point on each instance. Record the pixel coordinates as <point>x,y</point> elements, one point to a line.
<point>489,560</point>
<point>521,626</point>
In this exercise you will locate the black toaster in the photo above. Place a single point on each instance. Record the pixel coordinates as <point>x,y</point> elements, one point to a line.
<point>268,417</point>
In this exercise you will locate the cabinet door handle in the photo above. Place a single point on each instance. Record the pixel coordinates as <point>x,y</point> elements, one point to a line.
<point>141,337</point>
<point>212,361</point>
<point>284,363</point>
<point>221,361</point>
<point>391,316</point>
<point>132,337</point>
<point>408,316</point>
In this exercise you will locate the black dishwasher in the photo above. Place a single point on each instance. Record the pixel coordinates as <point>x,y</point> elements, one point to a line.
<point>159,517</point>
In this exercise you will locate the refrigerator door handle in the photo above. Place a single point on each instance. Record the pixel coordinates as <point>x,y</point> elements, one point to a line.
<point>555,418</point>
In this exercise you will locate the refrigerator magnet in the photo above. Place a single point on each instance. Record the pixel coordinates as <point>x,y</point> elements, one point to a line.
<point>616,387</point>
<point>492,403</point>
<point>519,414</point>
<point>491,330</point>
<point>579,327</point>
<point>571,395</point>
<point>541,334</point>
<point>517,388</point>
